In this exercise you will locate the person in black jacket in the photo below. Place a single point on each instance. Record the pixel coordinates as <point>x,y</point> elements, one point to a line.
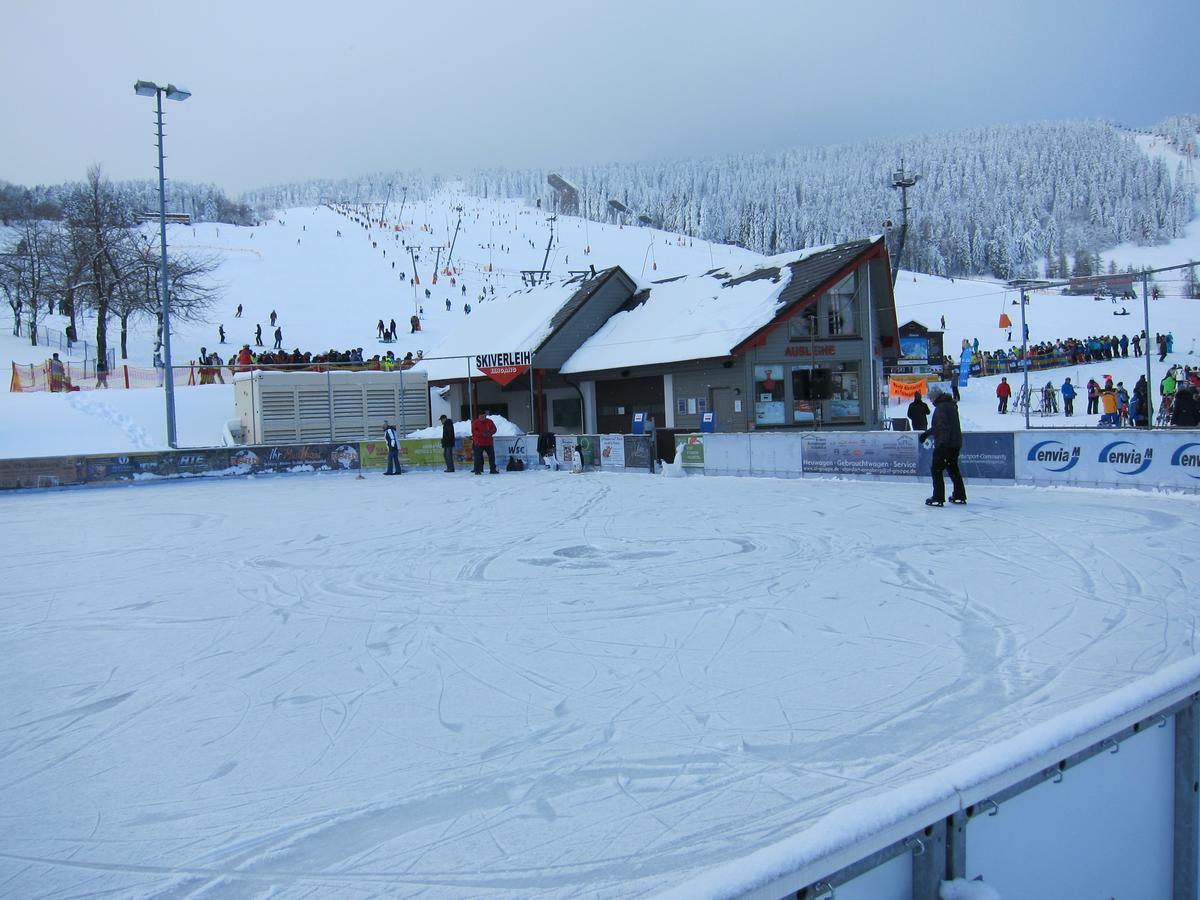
<point>448,443</point>
<point>918,413</point>
<point>947,443</point>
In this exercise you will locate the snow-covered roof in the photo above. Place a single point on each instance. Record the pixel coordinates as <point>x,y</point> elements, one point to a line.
<point>504,323</point>
<point>707,315</point>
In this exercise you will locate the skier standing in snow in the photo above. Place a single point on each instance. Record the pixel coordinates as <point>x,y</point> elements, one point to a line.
<point>278,338</point>
<point>1068,395</point>
<point>1003,391</point>
<point>947,444</point>
<point>258,336</point>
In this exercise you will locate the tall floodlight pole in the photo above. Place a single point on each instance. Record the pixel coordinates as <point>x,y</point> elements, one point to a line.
<point>1148,400</point>
<point>1025,357</point>
<point>902,181</point>
<point>173,92</point>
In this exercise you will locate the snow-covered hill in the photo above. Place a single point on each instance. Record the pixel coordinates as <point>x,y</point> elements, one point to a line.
<point>330,280</point>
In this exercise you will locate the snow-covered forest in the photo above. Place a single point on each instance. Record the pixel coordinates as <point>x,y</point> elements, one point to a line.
<point>1008,201</point>
<point>203,202</point>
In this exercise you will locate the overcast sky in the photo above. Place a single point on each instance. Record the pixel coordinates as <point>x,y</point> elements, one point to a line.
<point>294,90</point>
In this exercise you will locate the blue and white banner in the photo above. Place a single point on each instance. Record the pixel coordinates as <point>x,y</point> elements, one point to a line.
<point>964,366</point>
<point>984,455</point>
<point>1114,457</point>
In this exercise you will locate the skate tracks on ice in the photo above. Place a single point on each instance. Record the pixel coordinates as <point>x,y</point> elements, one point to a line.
<point>532,684</point>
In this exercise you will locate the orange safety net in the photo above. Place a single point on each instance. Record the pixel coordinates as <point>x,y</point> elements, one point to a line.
<point>75,376</point>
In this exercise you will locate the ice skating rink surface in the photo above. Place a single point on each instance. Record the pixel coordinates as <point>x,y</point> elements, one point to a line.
<point>532,684</point>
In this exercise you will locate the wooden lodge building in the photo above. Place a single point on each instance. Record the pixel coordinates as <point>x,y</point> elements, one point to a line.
<point>796,341</point>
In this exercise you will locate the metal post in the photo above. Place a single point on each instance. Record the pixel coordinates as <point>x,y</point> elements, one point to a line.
<point>403,411</point>
<point>956,846</point>
<point>532,413</point>
<point>870,308</point>
<point>169,382</point>
<point>928,862</point>
<point>1025,357</point>
<point>329,392</point>
<point>1185,880</point>
<point>1150,410</point>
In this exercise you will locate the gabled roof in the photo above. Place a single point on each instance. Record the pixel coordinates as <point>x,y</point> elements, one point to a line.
<point>520,320</point>
<point>715,313</point>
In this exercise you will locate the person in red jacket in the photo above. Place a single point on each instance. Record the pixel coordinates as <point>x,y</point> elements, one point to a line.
<point>482,430</point>
<point>244,359</point>
<point>1003,391</point>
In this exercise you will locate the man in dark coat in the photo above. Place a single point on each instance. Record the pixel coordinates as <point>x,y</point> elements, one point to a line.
<point>947,443</point>
<point>448,443</point>
<point>918,413</point>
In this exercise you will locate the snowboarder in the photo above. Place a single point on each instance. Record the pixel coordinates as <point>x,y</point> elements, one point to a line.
<point>447,305</point>
<point>278,338</point>
<point>947,444</point>
<point>258,336</point>
<point>392,329</point>
<point>221,333</point>
<point>273,318</point>
<point>380,329</point>
<point>238,314</point>
<point>414,324</point>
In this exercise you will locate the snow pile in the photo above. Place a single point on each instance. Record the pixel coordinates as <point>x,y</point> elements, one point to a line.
<point>504,428</point>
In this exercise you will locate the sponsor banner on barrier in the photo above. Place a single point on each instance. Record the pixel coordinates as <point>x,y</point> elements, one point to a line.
<point>1118,457</point>
<point>588,448</point>
<point>876,453</point>
<point>522,446</point>
<point>689,449</point>
<point>612,451</point>
<point>984,455</point>
<point>200,462</point>
<point>637,451</point>
<point>50,471</point>
<point>425,452</point>
<point>123,467</point>
<point>567,448</point>
<point>297,457</point>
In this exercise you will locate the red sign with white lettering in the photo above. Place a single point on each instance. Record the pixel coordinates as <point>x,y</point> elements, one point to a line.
<point>503,375</point>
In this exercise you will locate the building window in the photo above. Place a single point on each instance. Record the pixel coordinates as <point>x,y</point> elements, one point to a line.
<point>845,404</point>
<point>803,325</point>
<point>839,307</point>
<point>768,395</point>
<point>567,413</point>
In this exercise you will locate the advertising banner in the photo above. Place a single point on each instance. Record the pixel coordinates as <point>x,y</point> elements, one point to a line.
<point>124,467</point>
<point>612,451</point>
<point>567,449</point>
<point>298,457</point>
<point>689,448</point>
<point>424,452</point>
<point>984,455</point>
<point>637,451</point>
<point>51,471</point>
<point>200,462</point>
<point>1111,457</point>
<point>871,453</point>
<point>907,389</point>
<point>588,448</point>
<point>521,446</point>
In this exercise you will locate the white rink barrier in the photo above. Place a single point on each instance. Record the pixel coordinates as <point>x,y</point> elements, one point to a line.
<point>1119,458</point>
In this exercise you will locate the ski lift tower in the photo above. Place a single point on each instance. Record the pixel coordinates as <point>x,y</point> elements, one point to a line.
<point>534,277</point>
<point>902,181</point>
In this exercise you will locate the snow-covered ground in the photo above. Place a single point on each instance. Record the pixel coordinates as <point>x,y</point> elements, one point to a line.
<point>532,684</point>
<point>329,292</point>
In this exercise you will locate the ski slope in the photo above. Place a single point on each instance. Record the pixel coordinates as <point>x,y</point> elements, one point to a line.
<point>329,291</point>
<point>534,684</point>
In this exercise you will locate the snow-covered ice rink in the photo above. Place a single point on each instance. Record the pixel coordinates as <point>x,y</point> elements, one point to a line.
<point>532,684</point>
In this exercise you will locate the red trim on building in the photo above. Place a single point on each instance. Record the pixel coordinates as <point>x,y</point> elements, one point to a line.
<point>878,250</point>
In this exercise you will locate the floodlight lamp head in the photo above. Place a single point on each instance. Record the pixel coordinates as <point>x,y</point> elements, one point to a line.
<point>145,88</point>
<point>175,92</point>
